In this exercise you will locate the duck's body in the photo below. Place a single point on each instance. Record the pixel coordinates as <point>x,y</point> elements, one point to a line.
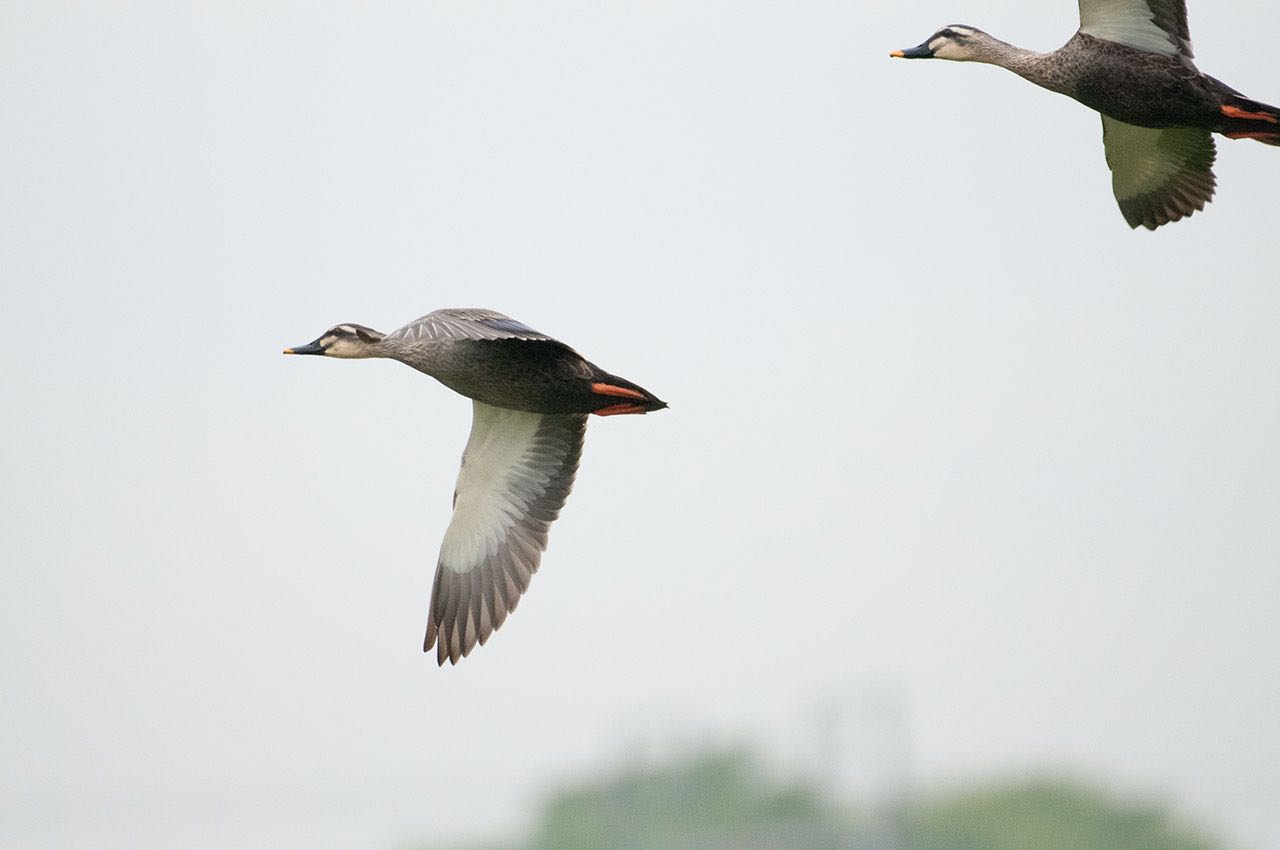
<point>537,375</point>
<point>1136,86</point>
<point>1132,62</point>
<point>531,398</point>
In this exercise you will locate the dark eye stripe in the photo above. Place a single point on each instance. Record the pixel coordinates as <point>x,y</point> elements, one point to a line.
<point>349,331</point>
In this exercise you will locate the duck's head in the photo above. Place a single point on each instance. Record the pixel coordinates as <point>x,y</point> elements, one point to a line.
<point>958,42</point>
<point>347,341</point>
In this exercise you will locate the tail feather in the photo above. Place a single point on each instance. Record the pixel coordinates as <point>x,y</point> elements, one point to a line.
<point>1249,119</point>
<point>1258,136</point>
<point>618,395</point>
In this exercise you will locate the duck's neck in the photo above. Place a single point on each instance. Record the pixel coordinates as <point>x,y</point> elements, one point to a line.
<point>426,358</point>
<point>391,348</point>
<point>1028,64</point>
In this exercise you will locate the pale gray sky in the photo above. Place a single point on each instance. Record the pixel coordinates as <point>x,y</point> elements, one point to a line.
<point>937,416</point>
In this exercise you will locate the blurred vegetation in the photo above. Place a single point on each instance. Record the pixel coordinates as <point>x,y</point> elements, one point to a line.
<point>1046,814</point>
<point>731,800</point>
<point>721,799</point>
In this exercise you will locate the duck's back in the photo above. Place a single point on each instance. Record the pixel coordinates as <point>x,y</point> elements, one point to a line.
<point>539,376</point>
<point>1136,86</point>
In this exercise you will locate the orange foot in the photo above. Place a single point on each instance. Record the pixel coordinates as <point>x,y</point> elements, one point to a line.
<point>1261,135</point>
<point>1246,115</point>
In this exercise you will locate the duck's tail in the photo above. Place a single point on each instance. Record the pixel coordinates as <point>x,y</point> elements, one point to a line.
<point>613,395</point>
<point>1249,119</point>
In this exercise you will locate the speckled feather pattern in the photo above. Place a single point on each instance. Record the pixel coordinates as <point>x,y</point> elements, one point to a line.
<point>1137,87</point>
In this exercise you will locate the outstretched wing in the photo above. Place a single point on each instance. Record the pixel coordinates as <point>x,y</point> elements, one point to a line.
<point>1158,176</point>
<point>517,471</point>
<point>454,324</point>
<point>1159,26</point>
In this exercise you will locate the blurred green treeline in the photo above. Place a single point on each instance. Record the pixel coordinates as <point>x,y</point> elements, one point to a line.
<point>732,800</point>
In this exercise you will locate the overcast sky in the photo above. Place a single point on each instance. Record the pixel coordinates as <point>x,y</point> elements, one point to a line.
<point>938,417</point>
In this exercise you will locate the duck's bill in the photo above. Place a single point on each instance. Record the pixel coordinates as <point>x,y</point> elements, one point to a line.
<point>920,52</point>
<point>309,348</point>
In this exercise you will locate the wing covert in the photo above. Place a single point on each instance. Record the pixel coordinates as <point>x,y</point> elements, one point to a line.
<point>456,324</point>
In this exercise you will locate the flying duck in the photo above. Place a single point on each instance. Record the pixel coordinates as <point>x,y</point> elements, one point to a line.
<point>531,396</point>
<point>1131,60</point>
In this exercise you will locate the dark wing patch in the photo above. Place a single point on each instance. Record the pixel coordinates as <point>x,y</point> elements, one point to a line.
<point>511,326</point>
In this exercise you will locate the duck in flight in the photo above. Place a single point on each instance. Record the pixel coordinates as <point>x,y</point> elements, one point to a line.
<point>531,397</point>
<point>1131,61</point>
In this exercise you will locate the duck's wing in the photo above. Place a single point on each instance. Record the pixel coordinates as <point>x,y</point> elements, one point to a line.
<point>457,324</point>
<point>1159,26</point>
<point>517,471</point>
<point>1158,176</point>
